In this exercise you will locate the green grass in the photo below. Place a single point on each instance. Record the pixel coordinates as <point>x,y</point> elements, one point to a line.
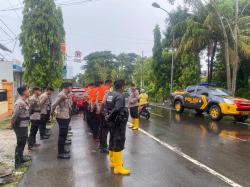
<point>4,123</point>
<point>17,175</point>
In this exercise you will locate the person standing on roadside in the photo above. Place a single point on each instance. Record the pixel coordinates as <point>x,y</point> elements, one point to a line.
<point>94,118</point>
<point>133,104</point>
<point>104,127</point>
<point>116,116</point>
<point>45,101</point>
<point>61,110</point>
<point>35,118</point>
<point>20,122</point>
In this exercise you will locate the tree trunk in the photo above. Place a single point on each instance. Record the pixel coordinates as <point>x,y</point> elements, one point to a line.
<point>237,60</point>
<point>212,60</point>
<point>226,52</point>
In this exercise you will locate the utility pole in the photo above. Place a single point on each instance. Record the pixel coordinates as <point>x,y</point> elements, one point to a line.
<point>236,45</point>
<point>172,66</point>
<point>156,5</point>
<point>142,69</point>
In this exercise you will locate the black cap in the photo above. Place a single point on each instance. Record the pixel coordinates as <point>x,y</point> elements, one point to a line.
<point>67,84</point>
<point>119,84</point>
<point>35,89</point>
<point>50,89</point>
<point>21,89</point>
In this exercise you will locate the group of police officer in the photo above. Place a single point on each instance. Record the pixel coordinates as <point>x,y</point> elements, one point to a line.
<point>106,113</point>
<point>36,110</point>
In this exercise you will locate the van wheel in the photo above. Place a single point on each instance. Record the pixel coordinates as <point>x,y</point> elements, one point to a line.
<point>240,118</point>
<point>215,113</point>
<point>178,106</point>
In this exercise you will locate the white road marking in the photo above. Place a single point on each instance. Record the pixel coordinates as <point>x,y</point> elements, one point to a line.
<point>244,123</point>
<point>157,114</point>
<point>168,108</point>
<point>196,162</point>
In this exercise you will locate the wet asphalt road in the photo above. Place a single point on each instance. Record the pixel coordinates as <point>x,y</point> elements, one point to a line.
<point>223,147</point>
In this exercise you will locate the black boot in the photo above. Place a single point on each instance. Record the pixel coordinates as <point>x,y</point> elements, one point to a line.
<point>103,150</point>
<point>67,142</point>
<point>44,137</point>
<point>66,151</point>
<point>26,159</point>
<point>63,156</point>
<point>18,163</point>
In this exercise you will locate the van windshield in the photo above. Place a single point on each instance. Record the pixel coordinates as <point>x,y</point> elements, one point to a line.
<point>219,92</point>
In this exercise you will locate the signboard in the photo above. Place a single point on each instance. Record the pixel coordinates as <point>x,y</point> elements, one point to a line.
<point>63,49</point>
<point>78,56</point>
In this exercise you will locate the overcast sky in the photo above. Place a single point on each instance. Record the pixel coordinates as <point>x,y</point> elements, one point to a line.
<point>115,25</point>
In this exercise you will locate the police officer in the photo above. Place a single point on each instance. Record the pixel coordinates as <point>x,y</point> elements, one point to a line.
<point>61,107</point>
<point>20,122</point>
<point>45,101</point>
<point>94,118</point>
<point>104,127</point>
<point>133,105</point>
<point>116,115</point>
<point>35,117</point>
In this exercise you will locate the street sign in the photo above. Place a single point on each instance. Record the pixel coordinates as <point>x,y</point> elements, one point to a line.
<point>78,56</point>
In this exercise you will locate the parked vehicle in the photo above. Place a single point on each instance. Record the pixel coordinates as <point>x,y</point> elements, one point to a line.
<point>78,98</point>
<point>216,101</point>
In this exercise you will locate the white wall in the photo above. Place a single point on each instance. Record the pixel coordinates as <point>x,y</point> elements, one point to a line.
<point>6,71</point>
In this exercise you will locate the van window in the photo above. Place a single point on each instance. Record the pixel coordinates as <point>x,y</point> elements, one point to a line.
<point>191,89</point>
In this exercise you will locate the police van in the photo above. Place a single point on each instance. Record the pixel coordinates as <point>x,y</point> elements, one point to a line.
<point>216,101</point>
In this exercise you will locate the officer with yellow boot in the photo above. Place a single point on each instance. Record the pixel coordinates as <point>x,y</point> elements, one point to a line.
<point>20,121</point>
<point>133,104</point>
<point>116,115</point>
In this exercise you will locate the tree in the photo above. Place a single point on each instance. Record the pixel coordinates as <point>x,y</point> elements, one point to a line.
<point>233,32</point>
<point>157,55</point>
<point>42,33</point>
<point>126,63</point>
<point>99,66</point>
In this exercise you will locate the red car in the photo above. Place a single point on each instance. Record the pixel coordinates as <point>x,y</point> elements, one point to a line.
<point>78,97</point>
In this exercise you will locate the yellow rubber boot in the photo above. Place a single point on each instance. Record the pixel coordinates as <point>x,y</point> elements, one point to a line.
<point>136,124</point>
<point>132,125</point>
<point>119,169</point>
<point>111,159</point>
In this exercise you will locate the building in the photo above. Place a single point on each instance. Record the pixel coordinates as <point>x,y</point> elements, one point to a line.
<point>11,73</point>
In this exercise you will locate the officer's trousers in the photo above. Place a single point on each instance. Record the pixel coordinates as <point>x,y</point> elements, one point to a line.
<point>63,132</point>
<point>21,137</point>
<point>103,133</point>
<point>35,125</point>
<point>95,123</point>
<point>117,136</point>
<point>47,117</point>
<point>42,126</point>
<point>134,113</point>
<point>89,119</point>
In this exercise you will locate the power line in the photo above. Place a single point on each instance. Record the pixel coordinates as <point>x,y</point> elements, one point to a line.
<point>68,3</point>
<point>6,32</point>
<point>7,27</point>
<point>11,6</point>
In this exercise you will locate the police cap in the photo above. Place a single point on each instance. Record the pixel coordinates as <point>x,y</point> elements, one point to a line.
<point>50,89</point>
<point>66,85</point>
<point>21,89</point>
<point>35,89</point>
